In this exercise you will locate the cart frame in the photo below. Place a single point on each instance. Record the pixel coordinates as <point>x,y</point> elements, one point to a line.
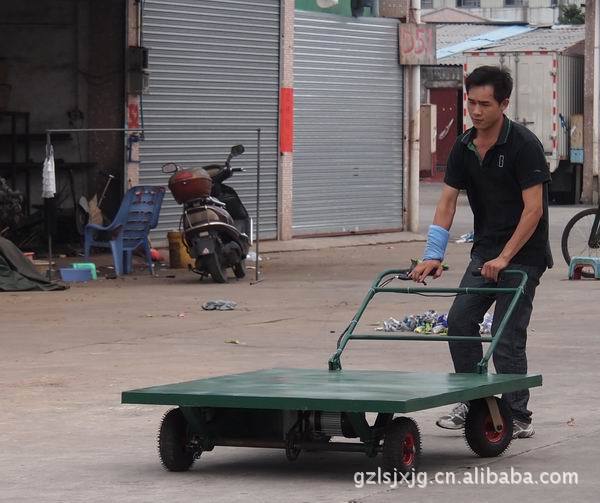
<point>376,288</point>
<point>302,409</point>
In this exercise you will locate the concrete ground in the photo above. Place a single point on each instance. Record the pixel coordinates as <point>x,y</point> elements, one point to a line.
<point>66,357</point>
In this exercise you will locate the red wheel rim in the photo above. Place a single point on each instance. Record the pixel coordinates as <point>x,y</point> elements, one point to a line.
<point>408,449</point>
<point>491,435</point>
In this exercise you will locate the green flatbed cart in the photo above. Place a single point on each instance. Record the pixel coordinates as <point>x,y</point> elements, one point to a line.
<point>304,409</point>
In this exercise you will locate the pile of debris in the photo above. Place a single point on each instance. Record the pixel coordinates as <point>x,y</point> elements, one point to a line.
<point>429,322</point>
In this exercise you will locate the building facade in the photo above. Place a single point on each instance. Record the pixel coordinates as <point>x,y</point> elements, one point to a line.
<point>539,12</point>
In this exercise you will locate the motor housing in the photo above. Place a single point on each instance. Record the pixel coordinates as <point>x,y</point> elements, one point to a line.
<point>331,424</point>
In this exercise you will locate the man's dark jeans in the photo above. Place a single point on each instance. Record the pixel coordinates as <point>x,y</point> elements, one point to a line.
<point>467,312</point>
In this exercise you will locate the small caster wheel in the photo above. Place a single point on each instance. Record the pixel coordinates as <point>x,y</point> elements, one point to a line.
<point>402,446</point>
<point>480,434</point>
<point>292,452</point>
<point>173,442</point>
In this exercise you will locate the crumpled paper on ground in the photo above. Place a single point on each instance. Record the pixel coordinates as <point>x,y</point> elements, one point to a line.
<point>219,305</point>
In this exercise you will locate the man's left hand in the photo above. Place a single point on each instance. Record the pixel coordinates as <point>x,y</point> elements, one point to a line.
<point>493,268</point>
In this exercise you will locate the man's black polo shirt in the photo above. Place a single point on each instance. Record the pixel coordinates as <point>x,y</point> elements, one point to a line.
<point>494,188</point>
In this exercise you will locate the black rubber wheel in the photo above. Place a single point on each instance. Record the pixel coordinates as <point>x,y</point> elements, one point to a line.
<point>402,446</point>
<point>480,434</point>
<point>575,238</point>
<point>239,269</point>
<point>173,438</point>
<point>292,453</point>
<point>214,267</point>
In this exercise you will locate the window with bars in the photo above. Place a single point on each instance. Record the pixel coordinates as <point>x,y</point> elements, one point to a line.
<point>426,4</point>
<point>515,3</point>
<point>468,3</point>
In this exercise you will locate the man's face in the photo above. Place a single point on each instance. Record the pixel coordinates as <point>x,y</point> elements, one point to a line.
<point>484,110</point>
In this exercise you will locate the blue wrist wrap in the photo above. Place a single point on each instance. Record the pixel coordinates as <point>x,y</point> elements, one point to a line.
<point>437,240</point>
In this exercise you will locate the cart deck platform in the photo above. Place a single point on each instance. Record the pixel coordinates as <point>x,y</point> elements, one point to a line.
<point>332,391</point>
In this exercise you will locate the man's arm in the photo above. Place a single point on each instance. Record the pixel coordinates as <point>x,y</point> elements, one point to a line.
<point>444,215</point>
<point>532,213</point>
<point>446,207</point>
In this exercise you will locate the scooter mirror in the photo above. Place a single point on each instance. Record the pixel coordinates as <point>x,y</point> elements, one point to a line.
<point>237,150</point>
<point>170,167</point>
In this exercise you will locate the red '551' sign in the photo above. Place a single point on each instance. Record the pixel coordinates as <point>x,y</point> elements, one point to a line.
<point>417,44</point>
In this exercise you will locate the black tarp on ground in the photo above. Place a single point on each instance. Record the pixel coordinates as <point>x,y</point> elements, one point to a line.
<point>18,274</point>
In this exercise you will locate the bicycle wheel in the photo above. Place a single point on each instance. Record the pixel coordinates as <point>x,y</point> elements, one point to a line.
<point>576,240</point>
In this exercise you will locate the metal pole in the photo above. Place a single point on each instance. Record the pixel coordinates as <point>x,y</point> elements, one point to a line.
<point>413,112</point>
<point>596,109</point>
<point>96,130</point>
<point>257,272</point>
<point>47,211</point>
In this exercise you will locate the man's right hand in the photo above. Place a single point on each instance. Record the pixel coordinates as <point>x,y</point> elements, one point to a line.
<point>426,268</point>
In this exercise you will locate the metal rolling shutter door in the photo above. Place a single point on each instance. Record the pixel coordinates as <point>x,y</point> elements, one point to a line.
<point>348,159</point>
<point>214,70</point>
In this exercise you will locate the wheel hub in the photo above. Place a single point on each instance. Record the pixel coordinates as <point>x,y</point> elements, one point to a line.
<point>408,449</point>
<point>491,434</point>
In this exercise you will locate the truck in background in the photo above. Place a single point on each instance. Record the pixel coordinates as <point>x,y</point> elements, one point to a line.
<point>547,93</point>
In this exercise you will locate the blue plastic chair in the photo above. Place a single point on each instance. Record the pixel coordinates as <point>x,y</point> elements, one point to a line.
<point>138,214</point>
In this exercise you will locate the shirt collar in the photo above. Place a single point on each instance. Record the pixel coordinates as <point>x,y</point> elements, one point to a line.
<point>502,138</point>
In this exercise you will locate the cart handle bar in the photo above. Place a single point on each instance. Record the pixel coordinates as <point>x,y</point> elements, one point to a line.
<point>482,366</point>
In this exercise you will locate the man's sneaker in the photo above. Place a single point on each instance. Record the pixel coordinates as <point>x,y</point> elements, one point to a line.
<point>521,429</point>
<point>456,419</point>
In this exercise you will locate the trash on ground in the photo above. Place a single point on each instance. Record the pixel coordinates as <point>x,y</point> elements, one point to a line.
<point>571,422</point>
<point>156,256</point>
<point>252,257</point>
<point>235,341</point>
<point>429,322</point>
<point>466,238</point>
<point>219,305</point>
<point>485,327</point>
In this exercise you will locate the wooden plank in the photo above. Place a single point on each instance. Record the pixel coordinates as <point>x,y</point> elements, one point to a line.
<point>334,391</point>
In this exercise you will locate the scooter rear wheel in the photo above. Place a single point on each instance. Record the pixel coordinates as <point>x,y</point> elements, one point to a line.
<point>216,270</point>
<point>239,269</point>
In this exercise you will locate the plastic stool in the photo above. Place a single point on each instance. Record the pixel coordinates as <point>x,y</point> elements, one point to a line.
<point>578,263</point>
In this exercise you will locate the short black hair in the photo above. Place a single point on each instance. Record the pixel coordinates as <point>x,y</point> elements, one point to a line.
<point>497,77</point>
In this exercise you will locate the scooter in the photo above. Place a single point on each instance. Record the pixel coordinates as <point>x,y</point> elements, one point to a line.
<point>214,221</point>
